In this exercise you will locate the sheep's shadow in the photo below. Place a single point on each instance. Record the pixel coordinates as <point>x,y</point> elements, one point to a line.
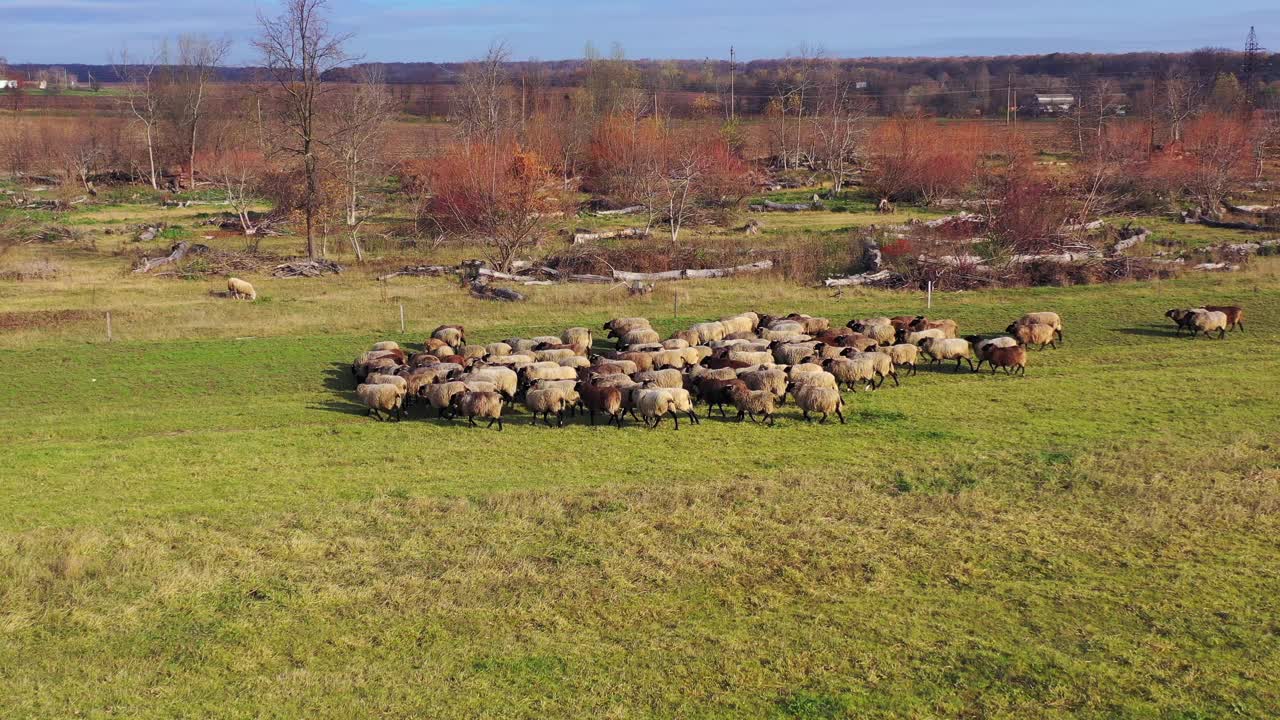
<point>338,406</point>
<point>946,367</point>
<point>338,377</point>
<point>1164,331</point>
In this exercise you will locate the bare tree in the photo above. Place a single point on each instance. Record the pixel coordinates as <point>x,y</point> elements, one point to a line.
<point>197,62</point>
<point>678,184</point>
<point>297,49</point>
<point>840,126</point>
<point>1179,98</point>
<point>360,119</point>
<point>143,100</point>
<point>484,106</point>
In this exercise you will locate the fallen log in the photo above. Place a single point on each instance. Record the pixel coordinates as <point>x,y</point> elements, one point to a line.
<point>875,278</point>
<point>419,271</point>
<point>1130,241</point>
<point>630,210</point>
<point>1226,225</point>
<point>1258,210</point>
<point>693,274</point>
<point>485,292</point>
<point>769,206</point>
<point>176,253</point>
<point>631,232</point>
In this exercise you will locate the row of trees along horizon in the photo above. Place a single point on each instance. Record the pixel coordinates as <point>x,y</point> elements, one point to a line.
<point>313,133</point>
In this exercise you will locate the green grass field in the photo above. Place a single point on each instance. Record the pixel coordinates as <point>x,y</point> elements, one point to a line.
<point>197,519</point>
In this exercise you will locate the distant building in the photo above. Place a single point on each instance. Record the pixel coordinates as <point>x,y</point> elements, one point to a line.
<point>860,85</point>
<point>9,81</point>
<point>1050,104</point>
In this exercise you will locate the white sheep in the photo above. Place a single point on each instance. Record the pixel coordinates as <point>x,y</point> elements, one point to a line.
<point>903,355</point>
<point>578,337</point>
<point>241,290</point>
<point>948,349</point>
<point>753,403</point>
<point>381,398</point>
<point>638,336</point>
<point>544,402</point>
<point>1207,321</point>
<point>918,336</point>
<point>814,399</point>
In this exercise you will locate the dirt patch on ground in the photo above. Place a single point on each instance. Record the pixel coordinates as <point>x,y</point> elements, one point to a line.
<point>32,319</point>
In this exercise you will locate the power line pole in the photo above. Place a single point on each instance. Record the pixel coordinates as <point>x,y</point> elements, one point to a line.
<point>1008,98</point>
<point>1251,53</point>
<point>733,108</point>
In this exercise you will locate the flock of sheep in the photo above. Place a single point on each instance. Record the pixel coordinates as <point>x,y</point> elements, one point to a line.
<point>750,362</point>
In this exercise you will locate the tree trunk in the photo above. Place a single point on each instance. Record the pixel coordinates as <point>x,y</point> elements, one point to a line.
<point>309,168</point>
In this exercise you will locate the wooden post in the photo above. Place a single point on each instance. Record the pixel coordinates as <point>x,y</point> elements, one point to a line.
<point>108,326</point>
<point>401,318</point>
<point>675,305</point>
<point>928,303</point>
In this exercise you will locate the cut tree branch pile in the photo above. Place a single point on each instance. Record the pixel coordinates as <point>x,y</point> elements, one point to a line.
<point>306,268</point>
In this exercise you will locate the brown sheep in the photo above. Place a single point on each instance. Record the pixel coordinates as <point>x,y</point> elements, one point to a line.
<point>948,327</point>
<point>1234,313</point>
<point>1007,357</point>
<point>603,399</point>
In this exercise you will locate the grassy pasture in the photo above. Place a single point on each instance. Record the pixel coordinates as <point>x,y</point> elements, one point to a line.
<point>197,520</point>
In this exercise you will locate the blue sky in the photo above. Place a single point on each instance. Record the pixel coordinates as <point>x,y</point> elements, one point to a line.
<point>48,31</point>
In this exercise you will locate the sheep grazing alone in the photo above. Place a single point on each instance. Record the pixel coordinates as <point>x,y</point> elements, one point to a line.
<point>1012,359</point>
<point>1034,334</point>
<point>754,402</point>
<point>472,405</point>
<point>948,349</point>
<point>814,399</point>
<point>241,290</point>
<point>1208,321</point>
<point>381,398</point>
